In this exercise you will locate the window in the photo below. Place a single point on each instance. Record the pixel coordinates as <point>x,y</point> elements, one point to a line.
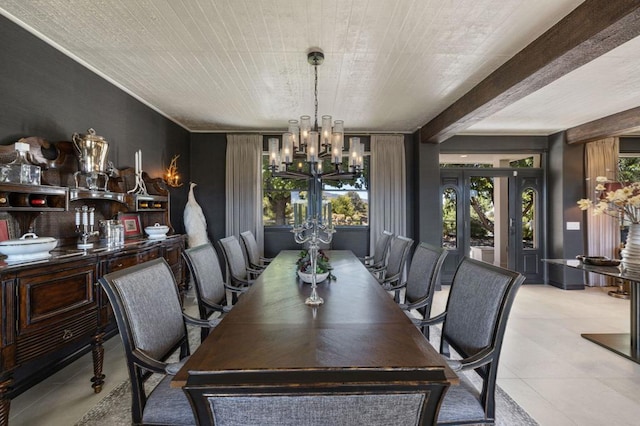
<point>349,198</point>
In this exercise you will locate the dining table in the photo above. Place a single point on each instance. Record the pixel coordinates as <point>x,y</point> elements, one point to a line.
<point>625,344</point>
<point>271,335</point>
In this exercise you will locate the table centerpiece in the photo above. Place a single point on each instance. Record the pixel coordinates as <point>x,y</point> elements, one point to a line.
<point>304,268</point>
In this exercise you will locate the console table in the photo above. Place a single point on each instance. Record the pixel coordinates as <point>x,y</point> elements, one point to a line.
<point>625,344</point>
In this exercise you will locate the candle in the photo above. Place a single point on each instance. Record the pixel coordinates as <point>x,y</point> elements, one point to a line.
<point>136,162</point>
<point>91,217</point>
<point>85,218</point>
<point>77,217</point>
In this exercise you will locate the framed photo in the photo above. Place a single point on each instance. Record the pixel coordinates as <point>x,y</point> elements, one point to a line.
<point>131,223</point>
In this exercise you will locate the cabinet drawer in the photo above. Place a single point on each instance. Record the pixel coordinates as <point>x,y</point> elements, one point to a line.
<point>51,297</point>
<point>121,262</point>
<point>39,342</point>
<point>128,260</point>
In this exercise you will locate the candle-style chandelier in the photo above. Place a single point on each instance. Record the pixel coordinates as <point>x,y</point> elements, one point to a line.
<point>311,145</point>
<point>304,143</point>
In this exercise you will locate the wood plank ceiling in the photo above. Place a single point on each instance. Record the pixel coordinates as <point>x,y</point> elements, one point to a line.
<point>514,67</point>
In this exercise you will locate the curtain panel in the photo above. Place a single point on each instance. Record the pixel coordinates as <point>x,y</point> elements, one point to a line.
<point>603,232</point>
<point>387,207</point>
<point>244,186</point>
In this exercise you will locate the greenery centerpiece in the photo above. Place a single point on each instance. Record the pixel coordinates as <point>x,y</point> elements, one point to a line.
<point>304,268</point>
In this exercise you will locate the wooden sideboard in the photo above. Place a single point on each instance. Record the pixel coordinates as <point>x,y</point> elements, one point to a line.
<point>54,311</point>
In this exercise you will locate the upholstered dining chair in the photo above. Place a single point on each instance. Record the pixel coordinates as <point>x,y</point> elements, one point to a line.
<point>391,276</point>
<point>379,257</point>
<point>147,308</point>
<point>238,273</point>
<point>422,279</point>
<point>252,253</point>
<point>473,325</point>
<point>209,284</point>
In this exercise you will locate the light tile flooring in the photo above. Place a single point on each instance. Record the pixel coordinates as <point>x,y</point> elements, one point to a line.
<point>553,373</point>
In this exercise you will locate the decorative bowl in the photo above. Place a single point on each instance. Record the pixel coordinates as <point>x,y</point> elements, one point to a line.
<point>157,231</point>
<point>307,277</point>
<point>29,247</point>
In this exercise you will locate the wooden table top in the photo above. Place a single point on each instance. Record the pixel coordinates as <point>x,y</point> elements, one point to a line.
<point>359,326</point>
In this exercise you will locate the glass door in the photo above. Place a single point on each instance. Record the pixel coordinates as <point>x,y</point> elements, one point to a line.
<point>493,215</point>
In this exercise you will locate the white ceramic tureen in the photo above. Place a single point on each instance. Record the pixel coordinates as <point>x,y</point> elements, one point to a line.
<point>29,247</point>
<point>156,231</point>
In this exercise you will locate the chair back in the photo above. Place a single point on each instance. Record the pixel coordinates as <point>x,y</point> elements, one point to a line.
<point>146,304</point>
<point>398,255</point>
<point>251,250</point>
<point>381,248</point>
<point>204,267</point>
<point>478,307</point>
<point>424,274</point>
<point>234,257</point>
<point>371,401</point>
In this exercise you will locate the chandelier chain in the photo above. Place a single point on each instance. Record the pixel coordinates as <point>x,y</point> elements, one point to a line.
<point>315,94</point>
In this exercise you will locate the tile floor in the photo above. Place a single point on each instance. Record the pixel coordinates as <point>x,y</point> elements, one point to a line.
<point>553,373</point>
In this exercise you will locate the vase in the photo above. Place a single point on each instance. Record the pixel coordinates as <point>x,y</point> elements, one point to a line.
<point>631,252</point>
<point>307,278</point>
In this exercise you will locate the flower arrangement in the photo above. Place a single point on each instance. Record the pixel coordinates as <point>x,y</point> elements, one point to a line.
<point>303,263</point>
<point>623,202</point>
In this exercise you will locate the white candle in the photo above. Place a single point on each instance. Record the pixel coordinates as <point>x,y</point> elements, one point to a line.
<point>91,218</point>
<point>77,217</point>
<point>140,160</point>
<point>136,161</point>
<point>85,219</point>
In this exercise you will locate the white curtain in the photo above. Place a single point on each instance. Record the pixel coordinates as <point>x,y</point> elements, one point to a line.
<point>603,232</point>
<point>244,186</point>
<point>387,207</point>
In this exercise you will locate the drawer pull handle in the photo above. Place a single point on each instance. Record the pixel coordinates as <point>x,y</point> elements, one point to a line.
<point>67,334</point>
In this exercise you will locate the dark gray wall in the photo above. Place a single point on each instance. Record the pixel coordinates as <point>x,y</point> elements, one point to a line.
<point>565,188</point>
<point>208,164</point>
<point>45,93</point>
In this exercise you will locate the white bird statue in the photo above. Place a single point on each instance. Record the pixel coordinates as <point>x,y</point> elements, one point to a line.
<point>194,221</point>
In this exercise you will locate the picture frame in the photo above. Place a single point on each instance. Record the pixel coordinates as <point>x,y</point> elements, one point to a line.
<point>4,230</point>
<point>131,223</point>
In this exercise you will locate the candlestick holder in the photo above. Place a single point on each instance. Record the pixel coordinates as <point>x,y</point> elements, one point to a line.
<point>85,219</point>
<point>140,187</point>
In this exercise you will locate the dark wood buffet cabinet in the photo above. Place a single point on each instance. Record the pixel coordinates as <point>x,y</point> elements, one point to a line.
<point>53,311</point>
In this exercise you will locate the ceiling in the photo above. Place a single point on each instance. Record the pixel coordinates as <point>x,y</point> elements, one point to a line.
<point>390,66</point>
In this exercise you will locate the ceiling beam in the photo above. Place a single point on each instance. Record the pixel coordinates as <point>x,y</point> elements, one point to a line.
<point>590,30</point>
<point>622,123</point>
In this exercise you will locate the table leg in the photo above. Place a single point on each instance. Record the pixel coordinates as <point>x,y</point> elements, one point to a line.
<point>625,344</point>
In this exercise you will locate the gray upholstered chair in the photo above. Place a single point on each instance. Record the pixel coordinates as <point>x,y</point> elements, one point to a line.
<point>422,279</point>
<point>362,402</point>
<point>254,259</point>
<point>147,308</point>
<point>391,276</point>
<point>379,257</point>
<point>209,284</point>
<point>238,274</point>
<point>474,322</point>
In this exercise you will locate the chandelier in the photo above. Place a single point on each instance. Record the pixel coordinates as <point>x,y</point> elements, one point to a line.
<point>301,144</point>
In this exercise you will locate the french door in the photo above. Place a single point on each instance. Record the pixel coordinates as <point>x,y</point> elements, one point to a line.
<point>494,215</point>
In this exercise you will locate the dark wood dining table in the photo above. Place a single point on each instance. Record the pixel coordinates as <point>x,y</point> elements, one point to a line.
<point>270,329</point>
<point>625,344</point>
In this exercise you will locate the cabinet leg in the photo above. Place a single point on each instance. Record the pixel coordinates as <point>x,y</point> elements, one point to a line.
<point>98,361</point>
<point>5,402</point>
